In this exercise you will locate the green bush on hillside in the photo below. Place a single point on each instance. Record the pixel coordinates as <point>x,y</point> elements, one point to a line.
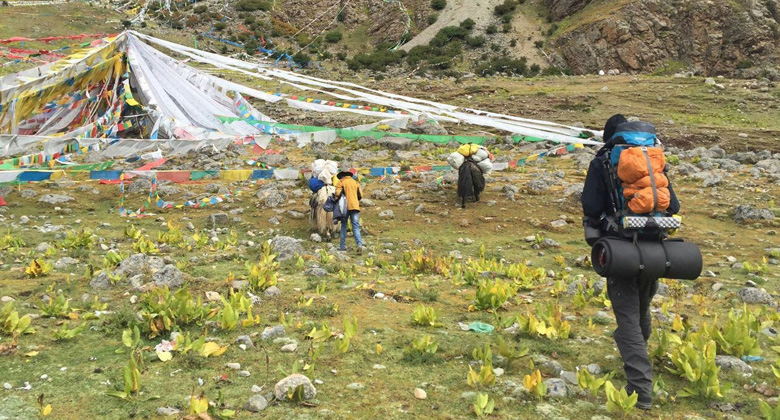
<point>438,4</point>
<point>333,37</point>
<point>252,5</point>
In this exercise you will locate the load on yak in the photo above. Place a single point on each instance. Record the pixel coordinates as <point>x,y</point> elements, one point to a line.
<point>323,173</point>
<point>472,162</point>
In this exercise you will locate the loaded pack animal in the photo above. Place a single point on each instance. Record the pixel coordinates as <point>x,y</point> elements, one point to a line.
<point>471,181</point>
<point>321,220</point>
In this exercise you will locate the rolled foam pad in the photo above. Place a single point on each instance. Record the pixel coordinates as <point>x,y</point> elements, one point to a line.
<point>673,259</point>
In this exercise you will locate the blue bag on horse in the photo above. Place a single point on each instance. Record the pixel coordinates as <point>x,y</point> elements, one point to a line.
<point>330,204</point>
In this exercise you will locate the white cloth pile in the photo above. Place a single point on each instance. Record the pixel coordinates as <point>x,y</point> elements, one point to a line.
<point>324,170</point>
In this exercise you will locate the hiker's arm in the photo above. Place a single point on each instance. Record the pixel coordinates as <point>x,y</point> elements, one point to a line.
<point>674,204</point>
<point>339,191</point>
<point>359,193</point>
<point>594,193</point>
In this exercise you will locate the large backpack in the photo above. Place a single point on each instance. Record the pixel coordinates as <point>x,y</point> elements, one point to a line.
<point>637,182</point>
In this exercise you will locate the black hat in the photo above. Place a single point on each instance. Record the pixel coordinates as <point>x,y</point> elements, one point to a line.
<point>344,174</point>
<point>611,125</point>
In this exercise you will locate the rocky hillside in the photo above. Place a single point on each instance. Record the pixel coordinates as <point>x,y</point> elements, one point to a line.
<point>716,37</point>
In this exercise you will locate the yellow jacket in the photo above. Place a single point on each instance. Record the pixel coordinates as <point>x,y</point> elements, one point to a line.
<point>350,189</point>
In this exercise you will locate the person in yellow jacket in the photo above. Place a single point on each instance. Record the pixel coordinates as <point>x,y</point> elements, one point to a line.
<point>348,187</point>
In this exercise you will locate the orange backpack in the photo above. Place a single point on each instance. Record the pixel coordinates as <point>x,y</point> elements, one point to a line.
<point>641,172</point>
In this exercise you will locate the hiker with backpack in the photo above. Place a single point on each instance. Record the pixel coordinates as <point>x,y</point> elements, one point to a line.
<point>628,204</point>
<point>349,188</point>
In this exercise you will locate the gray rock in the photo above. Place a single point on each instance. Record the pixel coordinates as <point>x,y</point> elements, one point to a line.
<point>430,128</point>
<point>64,262</point>
<point>558,224</point>
<point>355,386</point>
<point>28,193</point>
<point>556,388</point>
<point>538,185</point>
<point>42,247</point>
<point>387,214</point>
<point>272,292</point>
<point>569,377</point>
<point>377,195</point>
<point>594,369</point>
<point>55,199</point>
<point>405,156</point>
<point>711,181</point>
<point>747,213</point>
<point>551,367</point>
<point>295,214</point>
<point>316,272</point>
<point>168,411</point>
<point>289,348</point>
<point>272,198</point>
<point>274,221</point>
<point>138,264</point>
<point>256,403</point>
<point>166,190</point>
<point>168,276</point>
<point>140,185</point>
<point>315,237</point>
<point>753,295</point>
<point>292,382</point>
<point>100,281</point>
<point>549,243</point>
<point>395,143</point>
<point>733,363</point>
<point>274,160</point>
<point>286,247</point>
<point>245,340</point>
<point>214,221</point>
<point>367,203</point>
<point>269,333</point>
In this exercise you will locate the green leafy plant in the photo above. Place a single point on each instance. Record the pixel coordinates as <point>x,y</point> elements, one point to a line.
<point>425,316</point>
<point>162,310</point>
<point>38,268</point>
<point>769,412</point>
<point>534,384</point>
<point>262,275</point>
<point>131,338</point>
<point>131,232</point>
<point>12,324</point>
<point>590,383</point>
<point>10,243</point>
<point>548,322</point>
<point>112,259</point>
<point>83,239</point>
<point>65,333</point>
<point>144,245</point>
<point>57,307</point>
<point>173,236</point>
<point>667,342</point>
<point>484,405</point>
<point>350,329</point>
<point>228,317</point>
<point>492,295</point>
<point>425,262</point>
<point>620,401</point>
<point>320,335</point>
<point>739,336</point>
<point>422,349</point>
<point>694,360</point>
<point>509,351</point>
<point>484,378</point>
<point>132,378</point>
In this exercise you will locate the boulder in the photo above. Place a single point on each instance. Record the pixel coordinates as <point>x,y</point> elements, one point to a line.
<point>733,363</point>
<point>286,247</point>
<point>744,213</point>
<point>168,276</point>
<point>395,143</point>
<point>754,295</point>
<point>292,382</point>
<point>55,199</point>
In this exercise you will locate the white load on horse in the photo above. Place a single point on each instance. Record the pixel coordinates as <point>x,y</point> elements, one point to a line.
<point>474,152</point>
<point>321,185</point>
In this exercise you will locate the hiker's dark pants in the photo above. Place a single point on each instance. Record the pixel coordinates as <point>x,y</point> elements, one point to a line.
<point>631,304</point>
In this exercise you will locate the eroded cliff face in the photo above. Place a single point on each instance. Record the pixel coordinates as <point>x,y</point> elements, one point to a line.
<point>559,9</point>
<point>710,37</point>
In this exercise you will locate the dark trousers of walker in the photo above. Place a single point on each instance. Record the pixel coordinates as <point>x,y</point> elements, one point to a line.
<point>631,305</point>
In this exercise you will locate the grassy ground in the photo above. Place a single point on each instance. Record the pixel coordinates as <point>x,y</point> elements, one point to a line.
<point>79,371</point>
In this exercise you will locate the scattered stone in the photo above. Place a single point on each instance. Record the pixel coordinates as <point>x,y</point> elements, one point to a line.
<point>244,374</point>
<point>291,382</point>
<point>234,366</point>
<point>169,276</point>
<point>379,367</point>
<point>168,411</point>
<point>64,262</point>
<point>747,213</point>
<point>538,185</point>
<point>245,340</point>
<point>395,143</point>
<point>558,224</point>
<point>272,292</point>
<point>387,214</point>
<point>733,363</point>
<point>316,272</point>
<point>315,237</point>
<point>269,333</point>
<point>753,295</point>
<point>549,243</point>
<point>355,386</point>
<point>367,203</point>
<point>717,286</point>
<point>556,388</point>
<point>569,377</point>
<point>55,199</point>
<point>28,193</point>
<point>257,403</point>
<point>289,348</point>
<point>286,247</point>
<point>420,394</point>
